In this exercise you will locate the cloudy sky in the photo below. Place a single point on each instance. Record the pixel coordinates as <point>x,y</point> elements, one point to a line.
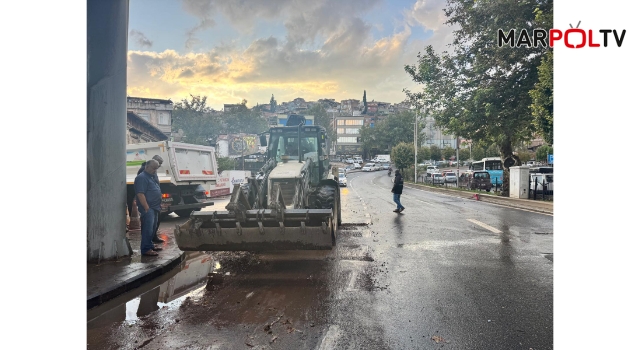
<point>229,50</point>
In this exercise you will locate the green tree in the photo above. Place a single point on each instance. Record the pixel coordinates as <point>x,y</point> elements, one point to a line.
<point>424,154</point>
<point>272,104</point>
<point>196,119</point>
<point>542,151</point>
<point>436,153</point>
<point>369,140</point>
<point>394,129</point>
<point>463,154</point>
<point>524,156</point>
<point>478,152</point>
<point>448,152</point>
<point>479,90</point>
<point>542,96</point>
<point>402,156</point>
<point>243,120</point>
<point>225,163</point>
<point>542,93</point>
<point>322,118</point>
<point>364,100</point>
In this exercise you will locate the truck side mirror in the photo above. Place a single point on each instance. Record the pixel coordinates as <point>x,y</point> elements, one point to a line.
<point>263,140</point>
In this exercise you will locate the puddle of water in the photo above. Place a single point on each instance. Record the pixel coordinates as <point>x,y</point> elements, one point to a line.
<point>188,279</point>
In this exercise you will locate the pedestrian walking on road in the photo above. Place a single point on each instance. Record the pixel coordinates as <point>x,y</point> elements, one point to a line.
<point>149,198</point>
<point>398,184</point>
<point>154,238</point>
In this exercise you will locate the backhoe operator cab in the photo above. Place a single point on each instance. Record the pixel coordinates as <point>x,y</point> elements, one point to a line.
<point>285,149</point>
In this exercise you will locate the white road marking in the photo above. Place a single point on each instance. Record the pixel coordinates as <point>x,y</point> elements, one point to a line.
<point>482,224</point>
<point>330,339</point>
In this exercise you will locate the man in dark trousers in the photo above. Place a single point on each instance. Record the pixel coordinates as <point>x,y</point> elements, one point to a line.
<point>149,198</point>
<point>398,184</point>
<point>154,238</point>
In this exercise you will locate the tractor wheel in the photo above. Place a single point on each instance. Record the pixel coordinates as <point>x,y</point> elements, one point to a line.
<point>328,197</point>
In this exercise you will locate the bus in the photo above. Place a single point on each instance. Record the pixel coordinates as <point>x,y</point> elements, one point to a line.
<point>493,166</point>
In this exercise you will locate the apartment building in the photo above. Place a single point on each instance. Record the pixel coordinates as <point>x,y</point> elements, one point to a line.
<point>156,112</point>
<point>140,130</point>
<point>347,107</point>
<point>435,136</point>
<point>348,135</point>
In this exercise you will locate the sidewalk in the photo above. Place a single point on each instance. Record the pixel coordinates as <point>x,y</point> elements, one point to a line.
<point>528,204</point>
<point>109,279</point>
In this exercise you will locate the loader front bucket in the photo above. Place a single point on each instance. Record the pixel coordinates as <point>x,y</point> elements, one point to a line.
<point>257,230</point>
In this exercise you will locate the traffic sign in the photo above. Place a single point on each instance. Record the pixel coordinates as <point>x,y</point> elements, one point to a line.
<point>550,158</point>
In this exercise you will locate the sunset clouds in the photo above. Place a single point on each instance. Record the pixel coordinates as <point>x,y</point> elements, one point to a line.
<point>332,49</point>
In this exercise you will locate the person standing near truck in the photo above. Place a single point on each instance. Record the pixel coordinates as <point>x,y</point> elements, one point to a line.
<point>154,238</point>
<point>149,198</point>
<point>398,184</point>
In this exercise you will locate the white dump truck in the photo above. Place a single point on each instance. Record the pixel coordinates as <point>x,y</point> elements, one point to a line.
<point>185,176</point>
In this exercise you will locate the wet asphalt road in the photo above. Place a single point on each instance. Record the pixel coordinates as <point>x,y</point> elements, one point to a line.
<point>447,273</point>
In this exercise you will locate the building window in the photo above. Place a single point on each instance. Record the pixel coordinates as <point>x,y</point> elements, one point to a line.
<point>144,116</point>
<point>163,118</point>
<point>354,122</point>
<point>340,131</point>
<point>352,131</point>
<point>347,139</point>
<point>341,122</point>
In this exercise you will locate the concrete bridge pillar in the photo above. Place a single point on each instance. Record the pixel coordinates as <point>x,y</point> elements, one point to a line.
<point>107,28</point>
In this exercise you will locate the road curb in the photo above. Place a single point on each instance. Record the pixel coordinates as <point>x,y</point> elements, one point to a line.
<point>133,282</point>
<point>542,207</point>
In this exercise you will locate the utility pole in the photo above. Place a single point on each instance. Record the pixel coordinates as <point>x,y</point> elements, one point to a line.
<point>458,160</point>
<point>415,151</point>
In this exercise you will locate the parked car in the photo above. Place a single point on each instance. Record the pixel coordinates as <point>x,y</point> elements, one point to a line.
<point>480,180</point>
<point>465,178</point>
<point>342,180</point>
<point>368,167</point>
<point>432,169</point>
<point>349,160</point>
<point>437,178</point>
<point>357,166</point>
<point>544,183</point>
<point>386,166</point>
<point>450,177</point>
<point>378,166</point>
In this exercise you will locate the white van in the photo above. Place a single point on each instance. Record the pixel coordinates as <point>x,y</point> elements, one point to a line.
<point>432,169</point>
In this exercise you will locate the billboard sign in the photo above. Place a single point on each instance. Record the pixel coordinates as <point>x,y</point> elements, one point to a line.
<point>240,144</point>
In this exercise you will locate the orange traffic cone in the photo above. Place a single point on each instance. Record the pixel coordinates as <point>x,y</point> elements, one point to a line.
<point>134,222</point>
